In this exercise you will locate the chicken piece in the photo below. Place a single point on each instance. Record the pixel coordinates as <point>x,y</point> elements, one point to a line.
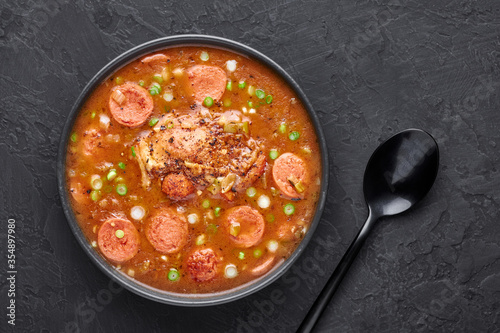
<point>197,147</point>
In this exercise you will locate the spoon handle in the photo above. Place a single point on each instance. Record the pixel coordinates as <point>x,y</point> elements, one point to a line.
<point>333,283</point>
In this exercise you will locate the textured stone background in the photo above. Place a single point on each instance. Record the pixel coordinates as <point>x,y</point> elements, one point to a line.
<point>370,68</point>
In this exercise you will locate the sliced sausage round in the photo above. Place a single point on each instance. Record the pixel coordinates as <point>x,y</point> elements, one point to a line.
<point>244,225</point>
<point>289,168</point>
<point>177,186</point>
<point>264,266</point>
<point>118,239</point>
<point>207,81</point>
<point>202,265</point>
<point>130,104</point>
<point>156,61</point>
<point>168,231</point>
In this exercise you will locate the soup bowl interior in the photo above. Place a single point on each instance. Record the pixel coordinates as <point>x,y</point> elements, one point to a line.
<point>117,275</point>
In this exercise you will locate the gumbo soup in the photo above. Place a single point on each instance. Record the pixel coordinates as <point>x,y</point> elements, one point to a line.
<point>193,170</point>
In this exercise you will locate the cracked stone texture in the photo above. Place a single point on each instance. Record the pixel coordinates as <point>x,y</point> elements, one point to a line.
<point>370,69</point>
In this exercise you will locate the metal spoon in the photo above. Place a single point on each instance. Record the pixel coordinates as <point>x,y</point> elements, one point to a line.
<point>398,175</point>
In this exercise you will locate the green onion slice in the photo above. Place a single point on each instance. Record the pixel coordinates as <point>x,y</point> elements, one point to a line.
<point>111,175</point>
<point>121,189</point>
<point>121,165</point>
<point>260,93</point>
<point>208,101</point>
<point>294,135</point>
<point>269,99</point>
<point>153,121</point>
<point>173,275</point>
<point>212,228</point>
<point>251,192</point>
<point>95,195</point>
<point>289,209</point>
<point>282,128</point>
<point>96,183</point>
<point>204,56</point>
<point>217,211</point>
<point>273,154</point>
<point>155,89</point>
<point>158,78</point>
<point>119,233</point>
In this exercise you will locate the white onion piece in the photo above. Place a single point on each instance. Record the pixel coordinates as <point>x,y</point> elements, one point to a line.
<point>252,111</point>
<point>264,201</point>
<point>272,246</point>
<point>165,74</point>
<point>200,240</point>
<point>230,271</point>
<point>231,65</point>
<point>204,56</point>
<point>104,121</point>
<point>178,72</point>
<point>113,138</point>
<point>168,96</point>
<point>193,218</point>
<point>137,213</point>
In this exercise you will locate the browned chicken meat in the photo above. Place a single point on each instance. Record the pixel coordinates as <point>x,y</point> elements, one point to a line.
<point>206,151</point>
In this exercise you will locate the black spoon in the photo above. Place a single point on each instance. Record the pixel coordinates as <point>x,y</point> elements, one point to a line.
<point>398,175</point>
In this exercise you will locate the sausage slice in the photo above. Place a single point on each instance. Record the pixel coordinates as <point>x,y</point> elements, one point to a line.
<point>286,169</point>
<point>118,240</point>
<point>264,266</point>
<point>207,81</point>
<point>244,225</point>
<point>130,104</point>
<point>156,61</point>
<point>177,186</point>
<point>202,265</point>
<point>168,231</point>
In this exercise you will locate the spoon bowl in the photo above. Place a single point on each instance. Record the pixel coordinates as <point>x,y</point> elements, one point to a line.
<point>400,172</point>
<point>398,175</point>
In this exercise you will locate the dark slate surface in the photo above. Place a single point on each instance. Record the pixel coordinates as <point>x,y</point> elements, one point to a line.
<point>370,69</point>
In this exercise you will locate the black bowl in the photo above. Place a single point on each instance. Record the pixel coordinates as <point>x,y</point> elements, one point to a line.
<point>138,287</point>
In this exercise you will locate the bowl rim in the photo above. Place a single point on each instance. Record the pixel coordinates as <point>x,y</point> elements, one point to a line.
<point>140,288</point>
